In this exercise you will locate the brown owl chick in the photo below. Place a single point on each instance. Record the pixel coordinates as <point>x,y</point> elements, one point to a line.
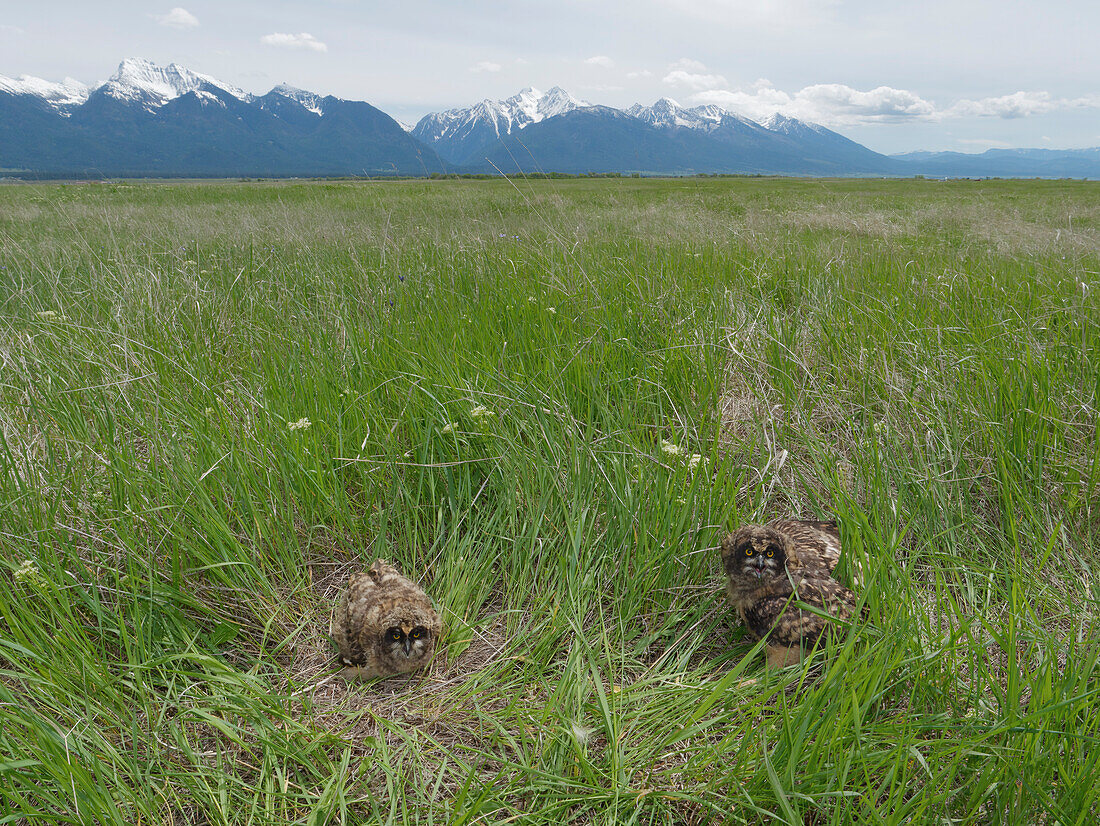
<point>768,569</point>
<point>384,624</point>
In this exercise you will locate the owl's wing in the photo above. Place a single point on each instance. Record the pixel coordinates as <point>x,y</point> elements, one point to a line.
<point>786,622</point>
<point>817,543</point>
<point>825,593</point>
<point>348,615</point>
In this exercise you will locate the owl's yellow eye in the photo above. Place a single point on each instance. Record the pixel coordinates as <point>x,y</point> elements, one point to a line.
<point>395,634</point>
<point>748,551</point>
<point>769,553</point>
<point>416,634</point>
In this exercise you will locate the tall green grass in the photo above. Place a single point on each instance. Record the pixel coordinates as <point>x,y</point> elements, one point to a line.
<point>501,387</point>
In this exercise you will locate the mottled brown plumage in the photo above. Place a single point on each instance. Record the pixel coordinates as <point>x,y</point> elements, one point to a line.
<point>770,567</point>
<point>817,544</point>
<point>384,624</point>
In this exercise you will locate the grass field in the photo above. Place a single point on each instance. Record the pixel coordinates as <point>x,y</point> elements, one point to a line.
<point>219,400</point>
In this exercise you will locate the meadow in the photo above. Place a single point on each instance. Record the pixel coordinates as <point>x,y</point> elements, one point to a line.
<point>547,401</point>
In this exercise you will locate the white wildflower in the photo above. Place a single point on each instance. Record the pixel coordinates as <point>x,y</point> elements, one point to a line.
<point>302,424</point>
<point>671,448</point>
<point>47,314</point>
<point>532,299</point>
<point>448,428</point>
<point>28,572</point>
<point>695,460</point>
<point>208,411</point>
<point>482,412</point>
<point>552,310</point>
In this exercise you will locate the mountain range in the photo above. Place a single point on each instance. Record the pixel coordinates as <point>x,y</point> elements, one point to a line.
<point>148,120</point>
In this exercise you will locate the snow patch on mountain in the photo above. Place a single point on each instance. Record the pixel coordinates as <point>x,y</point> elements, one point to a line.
<point>208,98</point>
<point>557,102</point>
<point>63,96</point>
<point>777,122</point>
<point>310,100</point>
<point>668,113</point>
<point>502,117</point>
<point>151,86</point>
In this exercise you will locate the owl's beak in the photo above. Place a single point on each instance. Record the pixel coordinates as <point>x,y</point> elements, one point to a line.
<point>408,645</point>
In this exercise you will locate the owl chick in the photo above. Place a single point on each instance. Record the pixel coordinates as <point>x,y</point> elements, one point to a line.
<point>767,569</point>
<point>384,624</point>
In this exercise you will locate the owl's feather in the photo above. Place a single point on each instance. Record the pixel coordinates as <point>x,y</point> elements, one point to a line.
<point>817,544</point>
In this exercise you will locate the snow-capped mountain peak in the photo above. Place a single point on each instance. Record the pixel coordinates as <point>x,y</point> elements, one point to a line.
<point>141,81</point>
<point>778,122</point>
<point>526,101</point>
<point>467,131</point>
<point>310,100</point>
<point>557,101</point>
<point>668,113</point>
<point>62,97</point>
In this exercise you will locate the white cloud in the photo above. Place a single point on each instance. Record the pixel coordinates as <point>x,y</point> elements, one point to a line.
<point>11,30</point>
<point>178,18</point>
<point>827,103</point>
<point>486,66</point>
<point>640,73</point>
<point>601,60</point>
<point>688,65</point>
<point>834,104</point>
<point>693,75</point>
<point>880,103</point>
<point>1019,105</point>
<point>294,41</point>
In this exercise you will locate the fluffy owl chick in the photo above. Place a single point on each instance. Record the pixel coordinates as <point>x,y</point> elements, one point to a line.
<point>384,624</point>
<point>765,575</point>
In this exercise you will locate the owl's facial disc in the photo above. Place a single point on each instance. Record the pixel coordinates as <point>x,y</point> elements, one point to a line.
<point>407,640</point>
<point>760,562</point>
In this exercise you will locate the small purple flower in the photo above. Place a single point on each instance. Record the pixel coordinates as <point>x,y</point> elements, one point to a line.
<point>400,278</point>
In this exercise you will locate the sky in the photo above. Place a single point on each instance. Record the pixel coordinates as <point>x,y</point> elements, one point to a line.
<point>966,75</point>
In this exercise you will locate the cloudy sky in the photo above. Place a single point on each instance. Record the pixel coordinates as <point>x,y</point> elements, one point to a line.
<point>964,75</point>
